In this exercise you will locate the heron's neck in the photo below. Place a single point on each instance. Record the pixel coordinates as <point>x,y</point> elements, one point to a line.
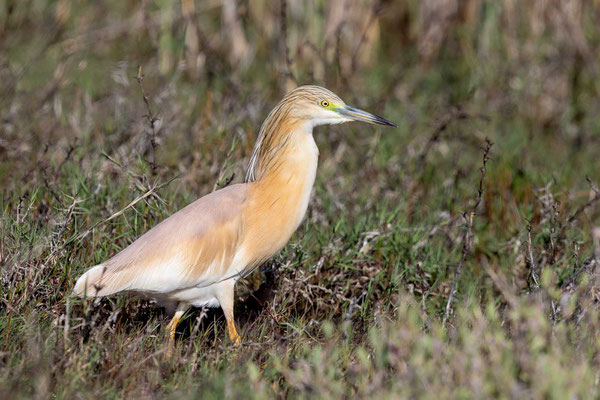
<point>278,200</point>
<point>293,162</point>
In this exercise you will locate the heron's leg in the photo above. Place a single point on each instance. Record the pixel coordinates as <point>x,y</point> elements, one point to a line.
<point>225,297</point>
<point>233,335</point>
<point>181,309</point>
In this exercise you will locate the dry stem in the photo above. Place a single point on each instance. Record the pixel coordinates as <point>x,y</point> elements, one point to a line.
<point>151,120</point>
<point>467,244</point>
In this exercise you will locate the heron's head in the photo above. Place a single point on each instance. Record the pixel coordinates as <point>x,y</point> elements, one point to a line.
<point>309,106</point>
<point>320,106</point>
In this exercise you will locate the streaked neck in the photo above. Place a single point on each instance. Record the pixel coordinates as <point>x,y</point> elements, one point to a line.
<point>294,156</point>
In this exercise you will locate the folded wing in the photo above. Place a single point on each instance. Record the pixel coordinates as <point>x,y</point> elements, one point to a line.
<point>194,246</point>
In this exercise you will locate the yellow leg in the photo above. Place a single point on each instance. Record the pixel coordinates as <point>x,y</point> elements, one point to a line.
<point>233,335</point>
<point>173,326</point>
<point>225,297</point>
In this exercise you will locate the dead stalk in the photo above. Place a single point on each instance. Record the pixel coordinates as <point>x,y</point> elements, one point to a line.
<point>467,245</point>
<point>532,267</point>
<point>151,120</point>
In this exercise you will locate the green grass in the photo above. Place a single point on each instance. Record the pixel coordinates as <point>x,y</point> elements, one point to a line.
<point>354,305</point>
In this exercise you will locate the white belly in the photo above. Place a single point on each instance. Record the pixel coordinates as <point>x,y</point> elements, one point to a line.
<point>198,296</point>
<point>206,294</point>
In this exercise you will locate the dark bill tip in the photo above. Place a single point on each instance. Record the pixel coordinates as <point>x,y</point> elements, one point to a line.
<point>383,121</point>
<point>360,115</point>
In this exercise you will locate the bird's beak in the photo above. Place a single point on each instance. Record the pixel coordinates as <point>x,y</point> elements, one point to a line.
<point>360,115</point>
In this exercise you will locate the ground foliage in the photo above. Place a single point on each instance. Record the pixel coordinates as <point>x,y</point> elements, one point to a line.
<point>455,256</point>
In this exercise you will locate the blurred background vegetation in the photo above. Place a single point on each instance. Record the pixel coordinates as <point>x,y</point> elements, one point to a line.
<point>404,280</point>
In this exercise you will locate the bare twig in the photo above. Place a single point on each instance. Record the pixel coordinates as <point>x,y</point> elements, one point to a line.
<point>70,151</point>
<point>289,77</point>
<point>581,208</point>
<point>338,54</point>
<point>532,273</point>
<point>224,167</point>
<point>596,240</point>
<point>467,245</point>
<point>553,223</point>
<point>120,212</point>
<point>531,259</point>
<point>374,12</point>
<point>151,120</point>
<point>455,114</point>
<point>503,286</point>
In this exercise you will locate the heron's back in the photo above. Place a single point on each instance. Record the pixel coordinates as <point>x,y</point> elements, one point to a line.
<point>192,246</point>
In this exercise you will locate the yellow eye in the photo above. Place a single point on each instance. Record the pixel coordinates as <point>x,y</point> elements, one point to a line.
<point>324,103</point>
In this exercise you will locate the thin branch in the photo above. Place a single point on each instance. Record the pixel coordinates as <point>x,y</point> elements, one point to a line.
<point>596,241</point>
<point>581,208</point>
<point>284,47</point>
<point>224,167</point>
<point>151,120</point>
<point>532,268</point>
<point>531,259</point>
<point>455,114</point>
<point>70,151</point>
<point>467,245</point>
<point>151,191</point>
<point>372,18</point>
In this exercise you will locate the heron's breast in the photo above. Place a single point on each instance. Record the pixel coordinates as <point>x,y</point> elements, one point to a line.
<point>278,202</point>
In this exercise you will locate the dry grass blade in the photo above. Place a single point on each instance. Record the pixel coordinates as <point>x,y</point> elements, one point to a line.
<point>141,197</point>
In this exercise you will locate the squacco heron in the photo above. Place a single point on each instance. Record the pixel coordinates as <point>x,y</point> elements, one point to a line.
<point>195,257</point>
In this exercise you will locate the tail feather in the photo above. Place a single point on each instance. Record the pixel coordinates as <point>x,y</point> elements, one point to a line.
<point>97,281</point>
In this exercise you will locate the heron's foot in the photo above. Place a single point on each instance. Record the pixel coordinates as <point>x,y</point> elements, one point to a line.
<point>235,338</point>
